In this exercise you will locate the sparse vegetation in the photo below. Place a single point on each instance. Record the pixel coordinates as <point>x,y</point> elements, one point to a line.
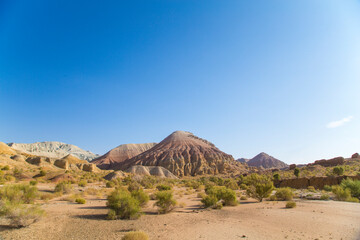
<point>325,197</point>
<point>165,201</point>
<point>338,171</point>
<point>82,183</point>
<point>163,187</point>
<point>19,193</point>
<point>63,188</point>
<point>20,215</point>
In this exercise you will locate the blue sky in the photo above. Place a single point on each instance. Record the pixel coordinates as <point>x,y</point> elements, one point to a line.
<point>281,77</point>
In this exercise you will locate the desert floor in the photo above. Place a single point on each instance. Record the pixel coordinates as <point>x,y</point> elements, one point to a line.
<point>249,220</point>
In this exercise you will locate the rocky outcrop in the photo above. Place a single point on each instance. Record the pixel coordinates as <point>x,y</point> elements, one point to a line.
<point>329,163</point>
<point>151,171</point>
<point>266,161</point>
<point>53,150</point>
<point>185,154</point>
<point>121,153</point>
<point>88,167</point>
<point>115,175</point>
<point>39,161</point>
<point>18,158</point>
<point>355,155</point>
<point>316,182</point>
<point>61,163</point>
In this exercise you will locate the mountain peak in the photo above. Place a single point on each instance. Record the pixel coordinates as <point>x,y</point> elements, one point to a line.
<point>266,161</point>
<point>184,154</point>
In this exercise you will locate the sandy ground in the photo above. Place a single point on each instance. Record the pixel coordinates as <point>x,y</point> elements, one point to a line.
<point>249,220</point>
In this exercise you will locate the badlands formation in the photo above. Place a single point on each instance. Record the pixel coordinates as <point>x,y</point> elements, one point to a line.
<point>185,154</point>
<point>53,150</point>
<point>121,153</point>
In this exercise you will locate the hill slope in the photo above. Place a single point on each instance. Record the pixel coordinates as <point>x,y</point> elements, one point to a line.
<point>185,154</point>
<point>266,161</point>
<point>53,150</point>
<point>120,154</point>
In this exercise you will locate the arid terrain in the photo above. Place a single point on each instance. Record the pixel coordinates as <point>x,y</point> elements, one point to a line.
<point>249,220</point>
<point>182,188</point>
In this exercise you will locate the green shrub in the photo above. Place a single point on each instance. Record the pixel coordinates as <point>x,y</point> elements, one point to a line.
<point>134,186</point>
<point>352,185</point>
<point>221,193</point>
<point>352,199</point>
<point>20,215</point>
<point>80,200</point>
<point>325,197</point>
<point>338,171</point>
<point>123,205</point>
<point>231,184</point>
<point>6,168</point>
<point>18,193</point>
<point>163,187</point>
<point>341,194</point>
<point>260,190</point>
<point>276,177</point>
<point>296,172</point>
<point>165,201</point>
<point>33,182</point>
<point>284,194</point>
<point>82,183</point>
<point>327,188</point>
<point>243,197</point>
<point>311,189</point>
<point>63,188</point>
<point>141,196</point>
<point>110,184</point>
<point>209,201</point>
<point>42,173</point>
<point>290,204</point>
<point>135,236</point>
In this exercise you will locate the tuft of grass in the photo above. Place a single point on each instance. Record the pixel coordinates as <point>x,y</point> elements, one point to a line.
<point>136,235</point>
<point>80,200</point>
<point>290,204</point>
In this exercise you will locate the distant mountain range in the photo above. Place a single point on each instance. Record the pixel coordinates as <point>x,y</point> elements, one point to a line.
<point>263,160</point>
<point>53,150</point>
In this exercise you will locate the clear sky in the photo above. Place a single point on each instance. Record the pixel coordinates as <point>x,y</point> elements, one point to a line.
<point>281,77</point>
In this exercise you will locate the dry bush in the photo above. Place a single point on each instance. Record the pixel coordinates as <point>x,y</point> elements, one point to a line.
<point>284,194</point>
<point>63,188</point>
<point>19,193</point>
<point>290,204</point>
<point>165,201</point>
<point>20,215</point>
<point>135,236</point>
<point>141,196</point>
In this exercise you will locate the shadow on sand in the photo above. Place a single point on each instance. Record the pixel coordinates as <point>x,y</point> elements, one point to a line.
<point>92,216</point>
